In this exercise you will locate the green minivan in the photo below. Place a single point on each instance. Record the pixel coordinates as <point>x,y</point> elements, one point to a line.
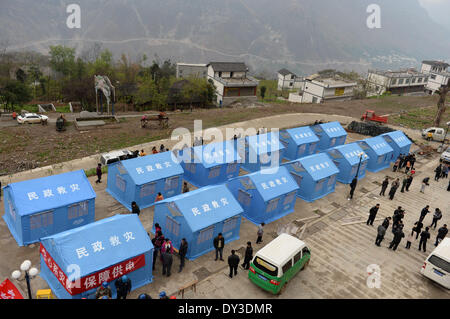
<point>278,262</point>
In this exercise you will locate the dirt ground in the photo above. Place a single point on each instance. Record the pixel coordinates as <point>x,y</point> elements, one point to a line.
<point>25,147</point>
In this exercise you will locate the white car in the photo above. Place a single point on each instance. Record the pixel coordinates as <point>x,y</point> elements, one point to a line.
<point>31,118</point>
<point>445,156</point>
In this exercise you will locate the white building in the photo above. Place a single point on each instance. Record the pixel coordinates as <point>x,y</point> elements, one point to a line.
<point>185,70</point>
<point>396,82</point>
<point>438,75</point>
<point>232,82</point>
<point>288,80</point>
<point>319,90</point>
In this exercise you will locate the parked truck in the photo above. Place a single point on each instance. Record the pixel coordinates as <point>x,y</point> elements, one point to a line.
<point>435,134</point>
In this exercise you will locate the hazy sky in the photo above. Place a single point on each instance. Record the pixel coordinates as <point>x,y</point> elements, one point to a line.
<point>439,10</point>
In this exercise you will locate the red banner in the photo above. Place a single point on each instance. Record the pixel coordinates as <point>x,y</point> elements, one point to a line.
<point>9,291</point>
<point>95,280</point>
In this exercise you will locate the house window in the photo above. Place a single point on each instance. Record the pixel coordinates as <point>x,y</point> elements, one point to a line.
<point>419,80</point>
<point>333,142</point>
<point>319,185</point>
<point>291,83</point>
<point>312,147</point>
<point>272,205</point>
<point>331,181</point>
<point>120,183</point>
<point>354,169</point>
<point>205,235</point>
<point>413,80</point>
<point>380,159</point>
<point>301,150</point>
<point>394,81</point>
<point>231,168</point>
<point>289,198</point>
<point>12,211</point>
<point>171,182</point>
<point>41,220</point>
<point>400,81</point>
<point>78,210</point>
<point>148,189</point>
<point>214,172</point>
<point>231,74</point>
<point>230,224</point>
<point>244,198</point>
<point>407,81</point>
<point>172,226</point>
<point>433,77</point>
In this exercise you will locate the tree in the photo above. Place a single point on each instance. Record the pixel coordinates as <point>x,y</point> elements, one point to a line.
<point>441,104</point>
<point>62,59</point>
<point>15,93</point>
<point>21,76</point>
<point>263,92</point>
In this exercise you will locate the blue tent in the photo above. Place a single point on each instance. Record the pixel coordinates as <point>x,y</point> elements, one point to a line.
<point>299,142</point>
<point>315,175</point>
<point>49,205</point>
<point>346,158</point>
<point>199,216</point>
<point>266,195</point>
<point>95,253</point>
<point>399,143</point>
<point>379,151</point>
<point>210,164</point>
<point>260,151</point>
<point>330,135</point>
<point>140,179</point>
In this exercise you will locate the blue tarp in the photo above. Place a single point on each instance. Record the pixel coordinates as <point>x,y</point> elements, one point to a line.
<point>346,158</point>
<point>266,195</point>
<point>379,151</point>
<point>399,142</point>
<point>330,135</point>
<point>315,175</point>
<point>97,246</point>
<point>45,206</point>
<point>199,216</point>
<point>299,142</point>
<point>210,164</point>
<point>141,179</point>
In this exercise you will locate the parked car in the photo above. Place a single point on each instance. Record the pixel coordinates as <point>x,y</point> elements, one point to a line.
<point>31,118</point>
<point>115,156</point>
<point>437,265</point>
<point>435,134</point>
<point>445,156</point>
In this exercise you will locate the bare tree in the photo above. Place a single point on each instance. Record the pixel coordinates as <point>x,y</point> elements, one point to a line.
<point>441,104</point>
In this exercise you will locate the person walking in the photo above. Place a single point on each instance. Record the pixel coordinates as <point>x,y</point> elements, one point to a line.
<point>386,222</point>
<point>407,166</point>
<point>381,231</point>
<point>103,290</point>
<point>402,160</point>
<point>167,257</point>
<point>352,188</point>
<point>384,185</point>
<point>410,239</point>
<point>444,173</point>
<point>404,183</point>
<point>438,171</point>
<point>398,235</point>
<point>248,256</point>
<point>442,232</point>
<point>123,287</point>
<point>396,164</point>
<point>372,214</point>
<point>413,161</point>
<point>260,233</point>
<point>409,181</point>
<point>395,184</point>
<point>233,263</point>
<point>135,208</point>
<point>436,216</point>
<point>157,243</point>
<point>99,173</point>
<point>418,228</point>
<point>182,252</point>
<point>425,182</point>
<point>218,243</point>
<point>424,213</point>
<point>424,236</point>
<point>185,188</point>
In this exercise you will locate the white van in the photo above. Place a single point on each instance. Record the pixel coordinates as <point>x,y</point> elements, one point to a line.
<point>437,265</point>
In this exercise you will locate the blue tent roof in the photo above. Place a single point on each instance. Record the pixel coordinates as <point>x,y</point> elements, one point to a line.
<point>152,167</point>
<point>265,143</point>
<point>205,206</point>
<point>51,192</point>
<point>273,182</point>
<point>106,242</point>
<point>214,154</point>
<point>319,166</point>
<point>378,144</point>
<point>333,129</point>
<point>351,152</point>
<point>399,137</point>
<point>302,135</point>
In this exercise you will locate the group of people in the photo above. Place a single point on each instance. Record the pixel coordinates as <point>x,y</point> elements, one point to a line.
<point>123,288</point>
<point>416,231</point>
<point>404,162</point>
<point>162,149</point>
<point>441,171</point>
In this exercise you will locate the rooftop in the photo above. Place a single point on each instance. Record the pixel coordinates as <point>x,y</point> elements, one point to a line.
<point>192,64</point>
<point>398,73</point>
<point>247,81</point>
<point>228,66</point>
<point>286,72</point>
<point>436,63</point>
